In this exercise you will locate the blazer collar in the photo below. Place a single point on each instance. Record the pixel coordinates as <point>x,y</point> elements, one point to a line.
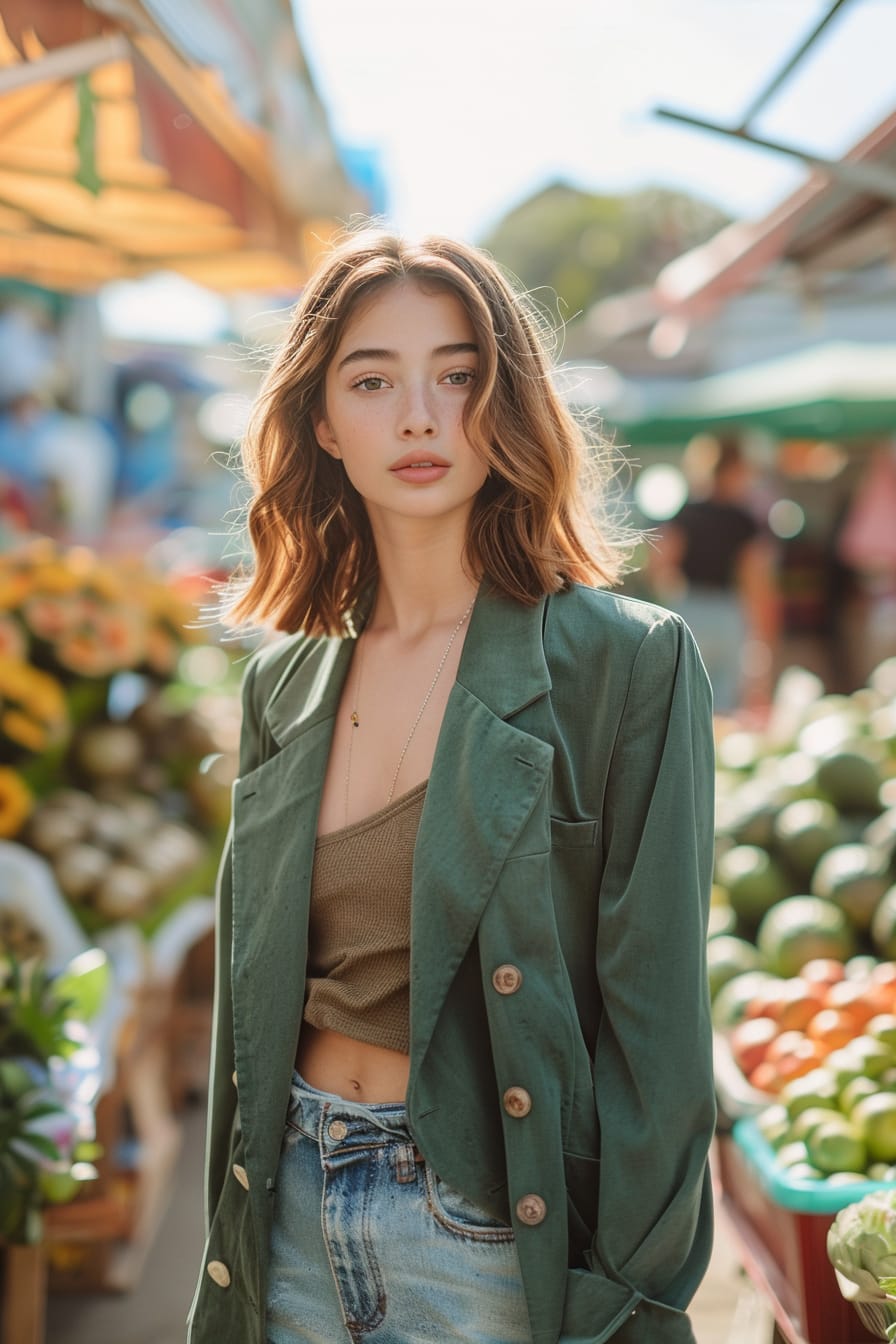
<point>502,664</point>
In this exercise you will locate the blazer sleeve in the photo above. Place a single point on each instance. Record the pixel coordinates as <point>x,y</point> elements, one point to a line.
<point>653,1073</point>
<point>222,1095</point>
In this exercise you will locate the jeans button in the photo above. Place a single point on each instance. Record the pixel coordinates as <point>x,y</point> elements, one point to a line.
<point>337,1129</point>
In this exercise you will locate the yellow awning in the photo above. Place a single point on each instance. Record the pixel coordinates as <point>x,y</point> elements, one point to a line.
<point>119,158</point>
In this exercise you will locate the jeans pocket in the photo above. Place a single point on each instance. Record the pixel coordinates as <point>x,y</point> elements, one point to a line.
<point>457,1214</point>
<point>294,1132</point>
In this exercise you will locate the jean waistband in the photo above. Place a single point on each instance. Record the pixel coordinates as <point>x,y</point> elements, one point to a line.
<point>337,1122</point>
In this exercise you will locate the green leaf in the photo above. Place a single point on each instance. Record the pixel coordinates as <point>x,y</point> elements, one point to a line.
<point>85,138</point>
<point>39,1143</point>
<point>42,1108</point>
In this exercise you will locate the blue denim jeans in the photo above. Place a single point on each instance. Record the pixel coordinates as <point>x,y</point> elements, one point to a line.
<point>369,1244</point>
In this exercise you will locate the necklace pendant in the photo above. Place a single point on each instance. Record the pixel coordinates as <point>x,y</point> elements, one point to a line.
<point>356,723</point>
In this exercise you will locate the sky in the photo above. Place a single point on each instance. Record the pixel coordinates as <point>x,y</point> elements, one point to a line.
<point>476,103</point>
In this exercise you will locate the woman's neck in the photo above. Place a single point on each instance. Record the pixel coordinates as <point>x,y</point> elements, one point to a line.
<point>422,583</point>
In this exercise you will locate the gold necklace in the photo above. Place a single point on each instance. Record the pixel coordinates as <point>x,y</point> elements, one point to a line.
<point>356,723</point>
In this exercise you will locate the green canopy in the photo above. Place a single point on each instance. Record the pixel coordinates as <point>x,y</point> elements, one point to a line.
<point>833,391</point>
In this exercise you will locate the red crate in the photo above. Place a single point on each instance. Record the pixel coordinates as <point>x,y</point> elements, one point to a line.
<point>784,1251</point>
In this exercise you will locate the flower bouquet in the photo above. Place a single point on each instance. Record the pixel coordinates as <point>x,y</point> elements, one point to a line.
<point>118,727</point>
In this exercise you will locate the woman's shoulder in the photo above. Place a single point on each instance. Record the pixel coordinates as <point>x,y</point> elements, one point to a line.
<point>278,659</point>
<point>601,613</point>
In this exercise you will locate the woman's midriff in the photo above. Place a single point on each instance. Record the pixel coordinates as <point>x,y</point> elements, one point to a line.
<point>352,1069</point>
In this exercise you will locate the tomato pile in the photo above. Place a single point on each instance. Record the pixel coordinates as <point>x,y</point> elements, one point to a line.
<point>822,1046</point>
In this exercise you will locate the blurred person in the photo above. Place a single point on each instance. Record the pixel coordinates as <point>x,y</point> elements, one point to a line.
<point>58,464</point>
<point>462,1081</point>
<point>867,544</point>
<point>26,368</point>
<point>714,565</point>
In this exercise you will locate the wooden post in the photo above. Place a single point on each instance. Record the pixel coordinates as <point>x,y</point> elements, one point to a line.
<point>24,1295</point>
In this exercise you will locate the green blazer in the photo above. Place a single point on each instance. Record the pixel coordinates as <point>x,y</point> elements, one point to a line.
<point>559,905</point>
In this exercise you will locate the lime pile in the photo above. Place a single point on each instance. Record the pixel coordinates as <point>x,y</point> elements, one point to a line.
<point>806,832</point>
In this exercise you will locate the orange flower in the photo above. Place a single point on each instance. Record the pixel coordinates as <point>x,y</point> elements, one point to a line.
<point>16,803</point>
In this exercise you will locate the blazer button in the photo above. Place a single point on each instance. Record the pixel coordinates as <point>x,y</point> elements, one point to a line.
<point>218,1271</point>
<point>517,1102</point>
<point>531,1209</point>
<point>242,1175</point>
<point>507,979</point>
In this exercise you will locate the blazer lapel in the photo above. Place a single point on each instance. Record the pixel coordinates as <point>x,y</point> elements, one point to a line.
<point>486,777</point>
<point>275,810</point>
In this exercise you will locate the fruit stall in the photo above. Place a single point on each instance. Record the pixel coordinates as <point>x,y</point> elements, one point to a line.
<point>118,727</point>
<point>802,969</point>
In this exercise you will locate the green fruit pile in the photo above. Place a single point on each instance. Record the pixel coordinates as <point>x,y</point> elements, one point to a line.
<point>834,1124</point>
<point>806,832</point>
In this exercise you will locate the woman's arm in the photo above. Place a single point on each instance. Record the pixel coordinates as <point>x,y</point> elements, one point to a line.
<point>653,1060</point>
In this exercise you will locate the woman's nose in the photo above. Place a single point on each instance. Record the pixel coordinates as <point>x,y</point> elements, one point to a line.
<point>417,415</point>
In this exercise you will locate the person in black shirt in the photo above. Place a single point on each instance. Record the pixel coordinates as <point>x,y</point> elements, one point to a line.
<point>715,566</point>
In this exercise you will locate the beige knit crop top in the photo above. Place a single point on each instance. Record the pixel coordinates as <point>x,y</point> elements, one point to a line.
<point>359,929</point>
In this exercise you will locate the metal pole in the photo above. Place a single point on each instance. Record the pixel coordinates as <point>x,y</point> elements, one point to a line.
<point>857,173</point>
<point>776,82</point>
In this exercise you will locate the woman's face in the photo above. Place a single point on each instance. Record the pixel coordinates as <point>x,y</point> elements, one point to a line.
<point>394,399</point>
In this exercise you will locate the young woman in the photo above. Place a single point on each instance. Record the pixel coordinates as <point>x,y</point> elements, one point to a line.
<point>461,1083</point>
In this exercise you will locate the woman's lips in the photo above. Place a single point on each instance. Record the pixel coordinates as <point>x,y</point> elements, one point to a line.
<point>420,470</point>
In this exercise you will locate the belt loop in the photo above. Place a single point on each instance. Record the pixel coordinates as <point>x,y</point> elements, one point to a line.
<point>406,1159</point>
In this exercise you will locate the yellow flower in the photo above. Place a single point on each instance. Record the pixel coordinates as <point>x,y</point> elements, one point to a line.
<point>16,803</point>
<point>14,678</point>
<point>56,577</point>
<point>33,704</point>
<point>23,731</point>
<point>45,697</point>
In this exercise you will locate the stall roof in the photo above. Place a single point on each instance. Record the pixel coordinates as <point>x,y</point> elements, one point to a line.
<point>841,220</point>
<point>832,391</point>
<point>833,222</point>
<point>120,156</point>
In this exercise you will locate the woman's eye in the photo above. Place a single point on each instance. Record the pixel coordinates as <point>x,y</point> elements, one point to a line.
<point>460,377</point>
<point>371,384</point>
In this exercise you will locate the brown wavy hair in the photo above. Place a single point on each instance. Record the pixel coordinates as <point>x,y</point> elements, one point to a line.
<point>532,528</point>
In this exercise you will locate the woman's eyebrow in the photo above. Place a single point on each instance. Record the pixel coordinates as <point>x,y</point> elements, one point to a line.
<point>363,356</point>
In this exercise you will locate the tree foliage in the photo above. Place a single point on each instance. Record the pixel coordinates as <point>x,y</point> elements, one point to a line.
<point>572,248</point>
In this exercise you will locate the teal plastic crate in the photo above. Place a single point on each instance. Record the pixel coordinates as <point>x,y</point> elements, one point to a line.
<point>804,1196</point>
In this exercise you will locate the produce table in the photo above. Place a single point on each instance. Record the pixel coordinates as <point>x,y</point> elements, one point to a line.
<point>783,1245</point>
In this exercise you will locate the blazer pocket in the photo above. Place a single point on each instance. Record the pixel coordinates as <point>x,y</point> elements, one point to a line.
<point>582,1194</point>
<point>573,834</point>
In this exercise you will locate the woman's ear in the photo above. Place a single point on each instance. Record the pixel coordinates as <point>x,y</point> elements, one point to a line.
<point>324,435</point>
